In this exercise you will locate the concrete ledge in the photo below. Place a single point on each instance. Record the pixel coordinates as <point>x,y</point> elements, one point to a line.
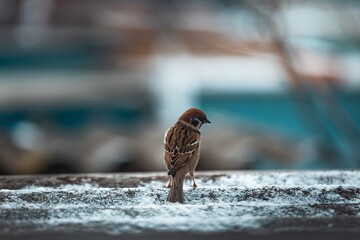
<point>322,204</point>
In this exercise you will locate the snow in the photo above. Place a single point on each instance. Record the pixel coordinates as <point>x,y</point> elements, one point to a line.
<point>222,202</point>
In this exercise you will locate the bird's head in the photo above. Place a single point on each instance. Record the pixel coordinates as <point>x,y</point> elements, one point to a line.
<point>194,117</point>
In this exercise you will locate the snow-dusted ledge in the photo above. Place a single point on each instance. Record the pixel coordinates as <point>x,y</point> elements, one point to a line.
<point>225,202</point>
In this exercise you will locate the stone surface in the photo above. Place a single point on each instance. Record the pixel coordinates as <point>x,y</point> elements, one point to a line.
<point>319,204</point>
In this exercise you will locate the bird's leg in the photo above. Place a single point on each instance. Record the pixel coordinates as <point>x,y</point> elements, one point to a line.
<point>193,178</point>
<point>170,182</point>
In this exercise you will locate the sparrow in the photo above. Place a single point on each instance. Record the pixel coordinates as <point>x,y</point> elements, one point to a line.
<point>182,151</point>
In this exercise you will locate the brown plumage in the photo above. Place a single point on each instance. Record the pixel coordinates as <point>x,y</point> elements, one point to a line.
<point>182,150</point>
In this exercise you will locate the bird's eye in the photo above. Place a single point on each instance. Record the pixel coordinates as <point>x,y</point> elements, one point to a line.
<point>195,122</point>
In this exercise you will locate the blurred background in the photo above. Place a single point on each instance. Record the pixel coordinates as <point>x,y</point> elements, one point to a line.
<point>92,85</point>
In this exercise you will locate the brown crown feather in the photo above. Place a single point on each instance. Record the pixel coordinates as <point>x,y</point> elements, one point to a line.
<point>192,113</point>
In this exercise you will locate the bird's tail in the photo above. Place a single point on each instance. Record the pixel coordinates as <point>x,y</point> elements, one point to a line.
<point>176,191</point>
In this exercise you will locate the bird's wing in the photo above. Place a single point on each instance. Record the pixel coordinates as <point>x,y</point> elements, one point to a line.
<point>180,145</point>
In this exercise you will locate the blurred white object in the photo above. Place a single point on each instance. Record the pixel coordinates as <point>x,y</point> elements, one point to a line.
<point>108,154</point>
<point>27,135</point>
<point>182,77</point>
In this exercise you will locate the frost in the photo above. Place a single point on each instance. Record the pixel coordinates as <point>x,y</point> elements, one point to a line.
<point>222,202</point>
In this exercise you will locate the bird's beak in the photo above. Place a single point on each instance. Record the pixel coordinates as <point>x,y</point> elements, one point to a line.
<point>207,121</point>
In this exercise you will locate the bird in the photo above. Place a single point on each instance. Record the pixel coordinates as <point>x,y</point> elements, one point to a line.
<point>182,151</point>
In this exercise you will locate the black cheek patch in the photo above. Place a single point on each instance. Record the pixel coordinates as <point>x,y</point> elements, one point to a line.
<point>194,122</point>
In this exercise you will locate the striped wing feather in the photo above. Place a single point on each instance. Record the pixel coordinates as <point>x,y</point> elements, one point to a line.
<point>181,143</point>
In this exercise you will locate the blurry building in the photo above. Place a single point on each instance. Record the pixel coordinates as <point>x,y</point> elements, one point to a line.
<point>92,85</point>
